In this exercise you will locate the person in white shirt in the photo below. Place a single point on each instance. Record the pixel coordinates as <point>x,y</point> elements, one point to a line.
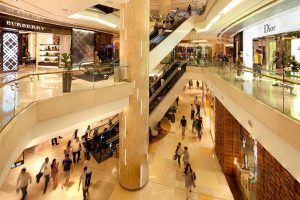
<point>23,179</point>
<point>76,150</point>
<point>85,189</point>
<point>87,164</point>
<point>46,168</point>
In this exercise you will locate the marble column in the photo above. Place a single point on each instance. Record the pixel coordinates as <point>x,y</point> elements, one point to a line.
<point>164,7</point>
<point>134,53</point>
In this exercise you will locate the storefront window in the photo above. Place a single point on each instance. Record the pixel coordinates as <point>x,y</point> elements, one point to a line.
<point>194,53</point>
<point>248,165</point>
<point>280,51</point>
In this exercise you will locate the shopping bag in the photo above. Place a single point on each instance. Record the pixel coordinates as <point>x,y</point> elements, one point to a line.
<point>39,176</point>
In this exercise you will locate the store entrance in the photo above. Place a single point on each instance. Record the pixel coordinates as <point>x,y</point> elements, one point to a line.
<point>41,50</point>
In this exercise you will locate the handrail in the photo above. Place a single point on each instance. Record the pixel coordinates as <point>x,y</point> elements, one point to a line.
<point>36,74</point>
<point>97,127</point>
<point>165,83</point>
<point>164,70</point>
<point>161,87</point>
<point>163,35</point>
<point>250,70</point>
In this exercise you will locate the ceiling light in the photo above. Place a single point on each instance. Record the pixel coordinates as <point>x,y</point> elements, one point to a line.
<point>230,6</point>
<point>215,19</point>
<point>94,19</point>
<point>198,41</point>
<point>227,8</point>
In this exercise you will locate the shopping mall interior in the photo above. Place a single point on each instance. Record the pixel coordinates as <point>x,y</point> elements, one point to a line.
<point>150,99</point>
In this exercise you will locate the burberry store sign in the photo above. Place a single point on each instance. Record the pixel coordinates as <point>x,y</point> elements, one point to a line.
<point>24,25</point>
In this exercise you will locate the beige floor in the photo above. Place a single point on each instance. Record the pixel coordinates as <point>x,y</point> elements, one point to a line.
<point>165,181</point>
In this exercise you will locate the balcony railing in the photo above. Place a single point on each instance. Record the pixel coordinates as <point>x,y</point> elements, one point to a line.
<point>20,92</point>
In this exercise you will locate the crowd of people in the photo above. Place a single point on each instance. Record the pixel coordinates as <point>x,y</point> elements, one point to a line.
<point>197,126</point>
<point>163,24</point>
<point>222,58</point>
<point>49,170</point>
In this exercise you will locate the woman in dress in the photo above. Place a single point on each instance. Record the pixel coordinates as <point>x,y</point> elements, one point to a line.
<point>189,179</point>
<point>54,171</point>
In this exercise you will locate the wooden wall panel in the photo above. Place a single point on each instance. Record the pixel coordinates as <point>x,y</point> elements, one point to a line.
<point>274,182</point>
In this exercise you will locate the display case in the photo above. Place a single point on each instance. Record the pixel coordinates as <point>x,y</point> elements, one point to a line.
<point>49,54</point>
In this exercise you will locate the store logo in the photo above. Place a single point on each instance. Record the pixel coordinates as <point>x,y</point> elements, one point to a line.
<point>25,26</point>
<point>268,28</point>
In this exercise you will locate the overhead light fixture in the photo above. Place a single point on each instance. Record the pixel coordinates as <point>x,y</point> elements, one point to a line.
<point>94,19</point>
<point>199,41</point>
<point>230,6</point>
<point>225,10</point>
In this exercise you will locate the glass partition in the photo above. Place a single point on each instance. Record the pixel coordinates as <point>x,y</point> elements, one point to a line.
<point>18,93</point>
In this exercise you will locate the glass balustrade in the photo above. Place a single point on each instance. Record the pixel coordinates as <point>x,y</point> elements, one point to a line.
<point>18,92</point>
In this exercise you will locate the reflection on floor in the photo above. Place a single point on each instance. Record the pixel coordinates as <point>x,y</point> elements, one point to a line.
<point>165,181</point>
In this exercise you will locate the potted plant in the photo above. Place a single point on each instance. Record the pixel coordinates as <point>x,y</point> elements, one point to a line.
<point>67,74</point>
<point>172,111</point>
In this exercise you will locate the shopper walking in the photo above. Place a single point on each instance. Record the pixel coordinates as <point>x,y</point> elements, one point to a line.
<point>189,10</point>
<point>54,172</point>
<point>87,165</point>
<point>189,179</point>
<point>183,125</point>
<point>67,166</point>
<point>199,127</point>
<point>24,179</point>
<point>196,101</point>
<point>198,84</point>
<point>69,148</point>
<point>54,141</point>
<point>46,169</point>
<point>192,112</point>
<point>178,153</point>
<point>76,150</point>
<point>82,180</point>
<point>198,109</point>
<point>177,101</point>
<point>186,158</point>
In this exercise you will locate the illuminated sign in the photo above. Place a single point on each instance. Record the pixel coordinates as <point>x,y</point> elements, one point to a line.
<point>25,26</point>
<point>17,164</point>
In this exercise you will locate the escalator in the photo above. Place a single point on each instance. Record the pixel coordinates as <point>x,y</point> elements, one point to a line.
<point>103,140</point>
<point>173,75</point>
<point>162,45</point>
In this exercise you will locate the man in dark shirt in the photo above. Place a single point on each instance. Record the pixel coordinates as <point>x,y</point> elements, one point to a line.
<point>67,165</point>
<point>183,125</point>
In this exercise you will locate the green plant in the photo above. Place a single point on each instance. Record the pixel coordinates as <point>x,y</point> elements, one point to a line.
<point>173,109</point>
<point>65,58</point>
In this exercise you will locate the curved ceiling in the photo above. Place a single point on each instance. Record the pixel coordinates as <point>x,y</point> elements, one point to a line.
<point>61,10</point>
<point>181,4</point>
<point>239,13</point>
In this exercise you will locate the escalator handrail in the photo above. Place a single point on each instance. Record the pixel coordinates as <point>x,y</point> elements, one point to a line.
<point>165,83</point>
<point>172,82</point>
<point>158,39</point>
<point>165,69</point>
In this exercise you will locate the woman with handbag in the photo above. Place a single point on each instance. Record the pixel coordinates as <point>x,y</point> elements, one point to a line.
<point>178,153</point>
<point>189,179</point>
